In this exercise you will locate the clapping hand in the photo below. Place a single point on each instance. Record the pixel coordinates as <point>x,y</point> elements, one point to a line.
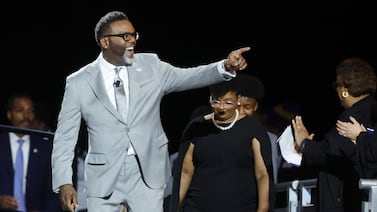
<point>300,132</point>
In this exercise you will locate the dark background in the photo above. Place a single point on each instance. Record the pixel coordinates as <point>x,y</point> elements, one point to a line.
<point>295,48</point>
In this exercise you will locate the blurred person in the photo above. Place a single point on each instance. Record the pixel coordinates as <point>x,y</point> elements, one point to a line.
<point>41,116</point>
<point>335,156</point>
<point>224,159</point>
<point>127,162</point>
<point>277,119</point>
<point>279,116</point>
<point>40,125</point>
<point>36,191</point>
<point>366,140</point>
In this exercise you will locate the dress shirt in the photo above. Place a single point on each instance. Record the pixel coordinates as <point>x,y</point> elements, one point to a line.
<point>108,74</point>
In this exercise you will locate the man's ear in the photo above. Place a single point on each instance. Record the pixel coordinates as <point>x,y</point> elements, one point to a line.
<point>256,106</point>
<point>104,42</point>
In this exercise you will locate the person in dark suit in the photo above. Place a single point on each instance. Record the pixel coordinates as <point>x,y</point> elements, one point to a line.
<point>37,161</point>
<point>127,162</point>
<point>335,156</point>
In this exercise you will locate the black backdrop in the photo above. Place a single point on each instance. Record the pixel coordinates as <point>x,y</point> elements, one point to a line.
<point>295,48</point>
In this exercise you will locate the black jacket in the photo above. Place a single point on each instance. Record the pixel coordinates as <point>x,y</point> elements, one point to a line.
<point>336,158</point>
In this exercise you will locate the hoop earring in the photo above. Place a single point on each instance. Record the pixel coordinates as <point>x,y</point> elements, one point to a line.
<point>345,94</point>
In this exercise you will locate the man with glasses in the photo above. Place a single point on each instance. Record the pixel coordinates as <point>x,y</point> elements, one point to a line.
<point>127,161</point>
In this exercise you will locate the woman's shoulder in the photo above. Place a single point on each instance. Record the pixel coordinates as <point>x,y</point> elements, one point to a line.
<point>251,120</point>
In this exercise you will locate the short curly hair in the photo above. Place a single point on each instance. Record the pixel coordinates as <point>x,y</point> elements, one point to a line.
<point>105,21</point>
<point>250,86</point>
<point>357,75</point>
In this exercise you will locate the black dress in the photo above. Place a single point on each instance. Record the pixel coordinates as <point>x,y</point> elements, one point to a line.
<point>224,178</point>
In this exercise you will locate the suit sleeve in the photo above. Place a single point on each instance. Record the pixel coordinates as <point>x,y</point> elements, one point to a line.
<point>367,153</point>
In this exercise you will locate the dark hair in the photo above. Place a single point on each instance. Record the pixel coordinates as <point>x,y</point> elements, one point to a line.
<point>250,86</point>
<point>105,21</point>
<point>220,89</point>
<point>16,96</point>
<point>357,75</point>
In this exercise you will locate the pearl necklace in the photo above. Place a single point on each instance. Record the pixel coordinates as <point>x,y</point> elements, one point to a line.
<point>227,127</point>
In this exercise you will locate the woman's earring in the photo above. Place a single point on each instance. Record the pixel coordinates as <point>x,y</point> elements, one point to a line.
<point>238,103</point>
<point>345,94</point>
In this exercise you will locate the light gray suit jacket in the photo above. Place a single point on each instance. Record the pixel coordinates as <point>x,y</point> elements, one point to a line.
<point>85,98</point>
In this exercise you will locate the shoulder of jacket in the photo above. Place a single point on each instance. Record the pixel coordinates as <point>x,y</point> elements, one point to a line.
<point>146,55</point>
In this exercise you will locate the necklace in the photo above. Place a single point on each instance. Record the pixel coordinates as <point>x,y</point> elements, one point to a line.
<point>227,127</point>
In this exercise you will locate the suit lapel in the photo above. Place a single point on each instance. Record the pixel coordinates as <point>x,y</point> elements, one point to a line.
<point>133,89</point>
<point>95,81</point>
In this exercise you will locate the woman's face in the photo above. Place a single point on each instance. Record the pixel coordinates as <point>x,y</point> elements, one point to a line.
<point>248,105</point>
<point>225,106</point>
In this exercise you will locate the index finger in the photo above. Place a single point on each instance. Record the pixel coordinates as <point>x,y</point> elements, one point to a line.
<point>242,50</point>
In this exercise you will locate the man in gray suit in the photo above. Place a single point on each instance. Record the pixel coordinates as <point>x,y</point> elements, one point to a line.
<point>127,161</point>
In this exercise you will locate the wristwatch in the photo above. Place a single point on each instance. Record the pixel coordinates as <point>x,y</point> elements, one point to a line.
<point>302,145</point>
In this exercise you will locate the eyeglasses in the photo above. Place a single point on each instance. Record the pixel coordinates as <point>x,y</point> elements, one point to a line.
<point>126,36</point>
<point>335,85</point>
<point>346,85</point>
<point>226,104</point>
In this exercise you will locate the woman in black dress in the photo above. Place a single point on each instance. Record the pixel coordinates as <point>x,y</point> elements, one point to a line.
<point>224,160</point>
